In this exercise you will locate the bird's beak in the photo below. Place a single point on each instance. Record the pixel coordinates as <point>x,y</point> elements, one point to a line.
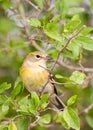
<point>48,58</point>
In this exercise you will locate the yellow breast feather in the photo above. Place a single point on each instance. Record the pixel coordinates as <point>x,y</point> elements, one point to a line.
<point>33,79</point>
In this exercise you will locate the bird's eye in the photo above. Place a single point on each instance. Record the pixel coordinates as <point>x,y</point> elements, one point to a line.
<point>38,56</point>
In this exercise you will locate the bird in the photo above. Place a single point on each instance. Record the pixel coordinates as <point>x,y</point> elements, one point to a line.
<point>36,76</point>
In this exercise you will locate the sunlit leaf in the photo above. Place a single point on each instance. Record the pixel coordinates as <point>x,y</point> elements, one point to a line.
<point>72,100</point>
<point>74,47</point>
<point>60,119</point>
<point>3,98</point>
<point>74,23</point>
<point>44,101</point>
<point>58,76</point>
<point>4,86</point>
<point>86,30</point>
<point>44,119</point>
<point>12,126</point>
<point>86,42</point>
<point>22,123</point>
<point>54,35</point>
<point>23,105</point>
<point>35,99</point>
<point>34,22</point>
<point>71,118</point>
<point>4,110</point>
<point>17,88</point>
<point>55,18</point>
<point>75,10</point>
<point>3,127</point>
<point>77,77</point>
<point>89,120</point>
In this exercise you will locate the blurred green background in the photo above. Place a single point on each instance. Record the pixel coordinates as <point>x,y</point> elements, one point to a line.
<point>18,38</point>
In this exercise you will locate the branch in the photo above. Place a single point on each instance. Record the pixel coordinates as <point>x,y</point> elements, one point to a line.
<point>36,7</point>
<point>65,46</point>
<point>33,43</point>
<point>86,110</point>
<point>22,14</point>
<point>26,28</point>
<point>87,80</point>
<point>73,67</point>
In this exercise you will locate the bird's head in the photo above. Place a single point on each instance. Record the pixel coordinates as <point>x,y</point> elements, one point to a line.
<point>36,58</point>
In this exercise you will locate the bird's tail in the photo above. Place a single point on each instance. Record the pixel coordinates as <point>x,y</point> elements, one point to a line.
<point>56,101</point>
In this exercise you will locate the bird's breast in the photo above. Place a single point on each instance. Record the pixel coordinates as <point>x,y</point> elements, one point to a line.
<point>34,79</point>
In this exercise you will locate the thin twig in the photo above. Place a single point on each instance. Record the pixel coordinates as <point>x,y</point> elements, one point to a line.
<point>22,14</point>
<point>87,80</point>
<point>73,67</point>
<point>36,7</point>
<point>33,43</point>
<point>86,110</point>
<point>33,124</point>
<point>65,46</point>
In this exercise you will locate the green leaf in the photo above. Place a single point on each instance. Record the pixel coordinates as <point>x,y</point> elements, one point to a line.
<point>74,47</point>
<point>4,110</point>
<point>73,50</point>
<point>71,100</point>
<point>12,126</point>
<point>58,76</point>
<point>44,100</point>
<point>44,120</point>
<point>34,22</point>
<point>4,86</point>
<point>87,42</point>
<point>23,104</point>
<point>22,123</point>
<point>55,18</point>
<point>3,127</point>
<point>60,119</point>
<point>71,118</point>
<point>35,99</point>
<point>53,52</point>
<point>52,27</point>
<point>74,23</point>
<point>61,7</point>
<point>45,17</point>
<point>5,107</point>
<point>86,30</point>
<point>68,53</point>
<point>17,88</point>
<point>75,10</point>
<point>77,77</point>
<point>54,35</point>
<point>89,120</point>
<point>3,98</point>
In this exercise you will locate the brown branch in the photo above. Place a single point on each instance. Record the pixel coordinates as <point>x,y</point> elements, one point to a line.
<point>22,14</point>
<point>86,110</point>
<point>74,68</point>
<point>26,28</point>
<point>36,7</point>
<point>87,80</point>
<point>65,46</point>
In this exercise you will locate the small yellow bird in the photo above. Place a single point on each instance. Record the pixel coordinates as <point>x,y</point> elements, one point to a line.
<point>35,76</point>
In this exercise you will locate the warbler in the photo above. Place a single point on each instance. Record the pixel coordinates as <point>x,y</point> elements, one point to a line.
<point>35,76</point>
